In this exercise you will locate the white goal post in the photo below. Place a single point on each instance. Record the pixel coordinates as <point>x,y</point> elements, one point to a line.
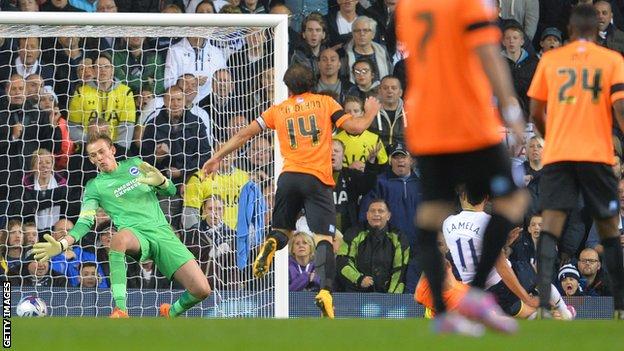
<point>155,25</point>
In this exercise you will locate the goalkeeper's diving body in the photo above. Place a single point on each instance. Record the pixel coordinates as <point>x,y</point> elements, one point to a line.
<point>304,127</point>
<point>127,191</point>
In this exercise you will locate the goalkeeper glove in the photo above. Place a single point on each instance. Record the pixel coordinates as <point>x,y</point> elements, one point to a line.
<point>44,251</point>
<point>150,175</point>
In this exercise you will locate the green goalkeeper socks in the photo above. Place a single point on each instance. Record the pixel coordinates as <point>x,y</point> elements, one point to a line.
<point>117,262</point>
<point>182,304</point>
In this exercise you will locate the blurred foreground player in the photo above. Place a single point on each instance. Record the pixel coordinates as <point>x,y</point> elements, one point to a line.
<point>304,127</point>
<point>454,67</point>
<point>574,90</point>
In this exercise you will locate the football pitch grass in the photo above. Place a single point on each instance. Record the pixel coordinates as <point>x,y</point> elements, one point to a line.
<point>154,334</point>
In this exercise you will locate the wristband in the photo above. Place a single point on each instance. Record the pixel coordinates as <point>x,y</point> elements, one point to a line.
<point>64,244</point>
<point>512,114</point>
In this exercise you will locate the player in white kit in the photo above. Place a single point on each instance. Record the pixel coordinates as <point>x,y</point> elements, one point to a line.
<point>463,234</point>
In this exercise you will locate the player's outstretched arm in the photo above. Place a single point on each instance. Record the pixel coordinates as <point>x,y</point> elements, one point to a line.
<point>511,281</point>
<point>499,76</point>
<point>239,139</point>
<point>356,126</point>
<point>45,250</point>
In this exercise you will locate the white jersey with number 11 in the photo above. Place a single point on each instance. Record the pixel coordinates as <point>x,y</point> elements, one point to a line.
<point>463,234</point>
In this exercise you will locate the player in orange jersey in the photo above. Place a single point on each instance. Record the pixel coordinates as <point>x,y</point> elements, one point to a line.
<point>574,90</point>
<point>304,128</point>
<point>454,70</point>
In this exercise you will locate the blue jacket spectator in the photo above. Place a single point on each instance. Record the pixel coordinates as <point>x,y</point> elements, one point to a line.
<point>251,211</point>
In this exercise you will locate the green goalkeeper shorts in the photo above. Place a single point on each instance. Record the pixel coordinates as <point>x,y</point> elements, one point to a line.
<point>161,245</point>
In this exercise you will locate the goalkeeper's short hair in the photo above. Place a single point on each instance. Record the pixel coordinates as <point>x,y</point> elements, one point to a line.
<point>101,136</point>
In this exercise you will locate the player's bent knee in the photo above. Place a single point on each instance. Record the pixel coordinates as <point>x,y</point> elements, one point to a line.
<point>202,291</point>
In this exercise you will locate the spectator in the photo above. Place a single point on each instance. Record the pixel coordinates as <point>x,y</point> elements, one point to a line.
<point>59,6</point>
<point>136,63</point>
<point>391,121</point>
<point>43,194</point>
<point>359,149</point>
<point>85,71</point>
<point>88,275</point>
<point>608,36</point>
<point>521,63</point>
<point>526,12</point>
<point>329,80</point>
<point>533,170</point>
<point>189,84</point>
<point>14,245</point>
<point>48,104</point>
<point>139,5</point>
<point>247,64</point>
<point>205,6</point>
<point>398,186</point>
<point>313,32</point>
<point>65,58</point>
<point>68,262</point>
<point>383,11</point>
<point>254,6</point>
<point>85,5</point>
<point>107,98</point>
<point>221,103</point>
<point>146,276</point>
<point>38,274</point>
<point>363,47</point>
<point>351,185</point>
<point>176,140</point>
<point>31,235</point>
<point>294,21</point>
<point>301,275</point>
<point>373,259</point>
<point>569,278</point>
<point>28,61</point>
<point>106,6</point>
<point>105,234</point>
<point>551,39</point>
<point>28,5</point>
<point>196,56</point>
<point>24,130</point>
<point>523,253</point>
<point>227,182</point>
<point>366,79</point>
<point>339,23</point>
<point>34,84</point>
<point>593,278</point>
<point>259,161</point>
<point>300,9</point>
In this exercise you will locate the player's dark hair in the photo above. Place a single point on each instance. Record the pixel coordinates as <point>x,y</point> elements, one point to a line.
<point>101,136</point>
<point>584,21</point>
<point>472,197</point>
<point>299,79</point>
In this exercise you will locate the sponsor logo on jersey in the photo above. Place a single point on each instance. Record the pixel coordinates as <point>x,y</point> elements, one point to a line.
<point>133,171</point>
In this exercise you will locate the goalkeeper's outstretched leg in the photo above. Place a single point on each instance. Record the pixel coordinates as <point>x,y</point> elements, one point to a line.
<point>124,242</point>
<point>191,277</point>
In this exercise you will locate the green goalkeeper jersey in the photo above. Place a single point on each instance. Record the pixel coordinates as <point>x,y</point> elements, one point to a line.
<point>128,202</point>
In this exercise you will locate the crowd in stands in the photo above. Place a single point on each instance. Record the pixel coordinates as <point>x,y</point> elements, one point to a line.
<point>171,101</point>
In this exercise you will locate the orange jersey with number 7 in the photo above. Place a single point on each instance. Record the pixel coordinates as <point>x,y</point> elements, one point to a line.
<point>449,100</point>
<point>304,128</point>
<point>580,82</point>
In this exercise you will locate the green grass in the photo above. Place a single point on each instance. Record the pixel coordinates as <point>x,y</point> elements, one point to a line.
<point>91,334</point>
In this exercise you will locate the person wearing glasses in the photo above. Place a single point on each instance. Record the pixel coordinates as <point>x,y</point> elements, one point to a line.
<point>592,275</point>
<point>366,79</point>
<point>362,46</point>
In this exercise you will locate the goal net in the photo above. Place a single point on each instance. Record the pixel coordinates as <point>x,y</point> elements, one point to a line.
<point>167,88</point>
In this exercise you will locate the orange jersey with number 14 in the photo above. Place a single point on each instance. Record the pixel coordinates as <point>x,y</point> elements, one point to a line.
<point>449,100</point>
<point>580,82</point>
<point>304,128</point>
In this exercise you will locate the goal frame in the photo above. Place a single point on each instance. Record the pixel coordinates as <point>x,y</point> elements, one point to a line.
<point>278,22</point>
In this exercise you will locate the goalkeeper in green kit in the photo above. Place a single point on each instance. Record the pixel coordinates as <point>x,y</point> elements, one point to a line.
<point>127,191</point>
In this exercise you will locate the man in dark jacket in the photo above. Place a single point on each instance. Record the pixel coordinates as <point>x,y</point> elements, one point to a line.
<point>373,259</point>
<point>609,35</point>
<point>175,140</point>
<point>521,62</point>
<point>399,187</point>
